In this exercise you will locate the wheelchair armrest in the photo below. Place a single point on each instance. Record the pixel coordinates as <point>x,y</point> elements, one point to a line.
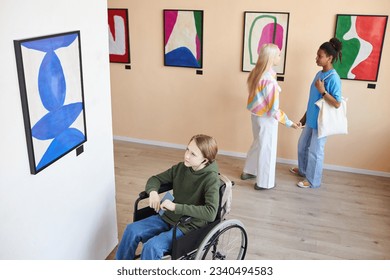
<point>163,188</point>
<point>142,213</point>
<point>143,195</point>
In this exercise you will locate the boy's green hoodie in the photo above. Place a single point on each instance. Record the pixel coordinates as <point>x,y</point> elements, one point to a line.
<point>196,194</point>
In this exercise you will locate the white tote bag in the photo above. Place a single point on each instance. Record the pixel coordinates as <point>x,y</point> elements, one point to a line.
<point>332,120</point>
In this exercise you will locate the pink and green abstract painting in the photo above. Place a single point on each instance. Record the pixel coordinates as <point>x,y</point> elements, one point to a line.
<point>263,28</point>
<point>362,37</point>
<point>183,38</point>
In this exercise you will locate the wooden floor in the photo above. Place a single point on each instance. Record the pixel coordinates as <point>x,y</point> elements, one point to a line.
<point>347,218</point>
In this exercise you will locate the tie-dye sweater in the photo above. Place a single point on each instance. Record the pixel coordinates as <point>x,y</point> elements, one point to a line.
<point>266,99</point>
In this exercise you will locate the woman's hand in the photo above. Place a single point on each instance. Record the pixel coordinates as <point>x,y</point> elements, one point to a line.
<point>302,122</point>
<point>295,125</point>
<point>320,85</point>
<point>154,201</point>
<point>168,205</point>
<point>300,125</point>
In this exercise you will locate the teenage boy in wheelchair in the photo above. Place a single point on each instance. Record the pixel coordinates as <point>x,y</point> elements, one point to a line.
<point>195,185</point>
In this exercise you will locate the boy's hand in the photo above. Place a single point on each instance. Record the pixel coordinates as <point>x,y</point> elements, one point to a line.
<point>168,205</point>
<point>154,201</point>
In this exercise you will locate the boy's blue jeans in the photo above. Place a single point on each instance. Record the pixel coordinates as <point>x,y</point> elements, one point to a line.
<point>311,156</point>
<point>153,232</point>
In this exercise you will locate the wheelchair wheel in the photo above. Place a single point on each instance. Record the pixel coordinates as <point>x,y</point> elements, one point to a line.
<point>226,241</point>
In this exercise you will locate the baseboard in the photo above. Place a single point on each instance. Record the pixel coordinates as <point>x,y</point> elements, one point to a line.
<point>243,155</point>
<point>341,168</point>
<point>150,142</point>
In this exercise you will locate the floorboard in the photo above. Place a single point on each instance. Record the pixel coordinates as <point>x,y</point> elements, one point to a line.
<point>347,218</point>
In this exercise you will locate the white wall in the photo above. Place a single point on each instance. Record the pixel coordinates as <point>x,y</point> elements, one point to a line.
<point>67,211</point>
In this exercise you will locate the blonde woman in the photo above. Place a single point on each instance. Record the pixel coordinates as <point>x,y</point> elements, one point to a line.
<point>263,103</point>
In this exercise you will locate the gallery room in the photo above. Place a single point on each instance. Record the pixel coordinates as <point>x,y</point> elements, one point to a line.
<point>73,164</point>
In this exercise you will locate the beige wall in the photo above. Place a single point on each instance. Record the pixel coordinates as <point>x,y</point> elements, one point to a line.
<point>170,104</point>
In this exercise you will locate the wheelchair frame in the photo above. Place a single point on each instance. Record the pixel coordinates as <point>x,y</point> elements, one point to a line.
<point>209,242</point>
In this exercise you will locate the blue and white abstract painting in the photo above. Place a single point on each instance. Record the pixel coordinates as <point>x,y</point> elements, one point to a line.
<point>50,80</point>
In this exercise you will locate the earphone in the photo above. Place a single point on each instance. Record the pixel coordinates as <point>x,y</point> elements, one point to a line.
<point>204,161</point>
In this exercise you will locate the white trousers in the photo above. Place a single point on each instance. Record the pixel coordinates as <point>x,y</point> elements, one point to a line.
<point>261,157</point>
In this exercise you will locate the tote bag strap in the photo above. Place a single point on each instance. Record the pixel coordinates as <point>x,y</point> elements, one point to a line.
<point>328,76</point>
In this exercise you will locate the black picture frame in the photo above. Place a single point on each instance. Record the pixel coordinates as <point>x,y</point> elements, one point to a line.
<point>52,96</point>
<point>119,42</point>
<point>362,38</point>
<point>261,28</point>
<point>183,38</point>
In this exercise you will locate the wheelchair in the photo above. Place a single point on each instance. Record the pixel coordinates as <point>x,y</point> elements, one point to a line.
<point>221,239</point>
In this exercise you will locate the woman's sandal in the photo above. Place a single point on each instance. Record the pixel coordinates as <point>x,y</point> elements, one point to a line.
<point>295,171</point>
<point>304,184</point>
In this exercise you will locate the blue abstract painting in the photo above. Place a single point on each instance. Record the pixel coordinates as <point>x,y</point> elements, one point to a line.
<point>51,87</point>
